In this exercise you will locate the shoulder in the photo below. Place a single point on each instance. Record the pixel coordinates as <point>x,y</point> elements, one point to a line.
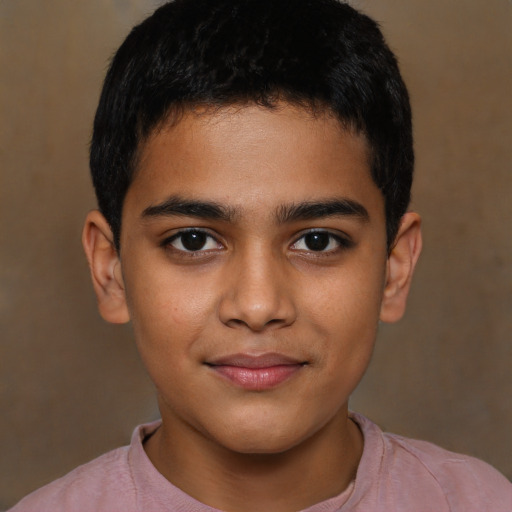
<point>460,482</point>
<point>113,482</point>
<point>109,483</point>
<point>103,480</point>
<point>460,477</point>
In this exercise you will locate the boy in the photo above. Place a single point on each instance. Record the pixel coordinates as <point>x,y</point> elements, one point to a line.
<point>253,161</point>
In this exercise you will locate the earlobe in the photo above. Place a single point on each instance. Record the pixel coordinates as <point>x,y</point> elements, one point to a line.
<point>400,268</point>
<point>105,267</point>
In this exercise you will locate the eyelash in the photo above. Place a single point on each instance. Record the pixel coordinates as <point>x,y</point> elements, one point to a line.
<point>341,243</point>
<point>167,243</point>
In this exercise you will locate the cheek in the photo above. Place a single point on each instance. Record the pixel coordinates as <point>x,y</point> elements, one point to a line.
<point>346,302</point>
<point>345,314</point>
<point>168,312</point>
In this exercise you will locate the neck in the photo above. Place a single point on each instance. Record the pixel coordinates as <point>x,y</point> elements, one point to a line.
<point>317,469</point>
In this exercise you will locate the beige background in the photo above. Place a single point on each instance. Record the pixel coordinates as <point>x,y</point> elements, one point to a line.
<point>71,386</point>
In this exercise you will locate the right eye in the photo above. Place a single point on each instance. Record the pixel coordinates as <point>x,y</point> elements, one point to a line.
<point>192,240</point>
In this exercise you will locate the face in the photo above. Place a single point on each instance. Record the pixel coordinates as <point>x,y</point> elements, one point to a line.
<point>253,262</point>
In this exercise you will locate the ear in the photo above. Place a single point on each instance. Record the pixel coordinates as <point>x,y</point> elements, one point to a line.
<point>105,267</point>
<point>400,268</point>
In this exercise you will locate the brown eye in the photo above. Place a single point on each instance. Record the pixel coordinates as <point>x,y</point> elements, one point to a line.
<point>321,241</point>
<point>193,240</point>
<point>317,241</point>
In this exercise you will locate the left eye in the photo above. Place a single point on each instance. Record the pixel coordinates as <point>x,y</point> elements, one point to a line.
<point>319,241</point>
<point>193,241</point>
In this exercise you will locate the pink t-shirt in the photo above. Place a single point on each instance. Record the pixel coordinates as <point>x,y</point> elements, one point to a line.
<point>395,474</point>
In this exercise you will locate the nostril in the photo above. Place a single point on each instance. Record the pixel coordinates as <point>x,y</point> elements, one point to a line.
<point>257,326</point>
<point>234,322</point>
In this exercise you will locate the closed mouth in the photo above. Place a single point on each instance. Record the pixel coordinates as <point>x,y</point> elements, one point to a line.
<point>256,373</point>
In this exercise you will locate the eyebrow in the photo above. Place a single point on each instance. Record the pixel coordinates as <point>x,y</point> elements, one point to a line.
<point>178,206</point>
<point>309,210</point>
<point>306,210</point>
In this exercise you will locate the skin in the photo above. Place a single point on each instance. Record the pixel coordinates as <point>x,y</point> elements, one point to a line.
<point>254,287</point>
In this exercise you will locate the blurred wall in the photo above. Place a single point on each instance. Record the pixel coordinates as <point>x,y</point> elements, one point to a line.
<point>71,387</point>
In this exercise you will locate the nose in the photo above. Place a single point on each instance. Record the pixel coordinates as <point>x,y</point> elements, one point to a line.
<point>257,293</point>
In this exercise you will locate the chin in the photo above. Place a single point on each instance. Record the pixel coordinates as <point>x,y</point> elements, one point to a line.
<point>261,446</point>
<point>263,438</point>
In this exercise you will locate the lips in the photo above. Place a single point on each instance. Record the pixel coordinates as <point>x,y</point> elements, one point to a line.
<point>256,373</point>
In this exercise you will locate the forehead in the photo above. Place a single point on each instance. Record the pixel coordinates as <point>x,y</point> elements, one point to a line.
<point>244,156</point>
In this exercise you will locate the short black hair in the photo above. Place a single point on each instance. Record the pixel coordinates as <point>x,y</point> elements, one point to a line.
<point>321,54</point>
